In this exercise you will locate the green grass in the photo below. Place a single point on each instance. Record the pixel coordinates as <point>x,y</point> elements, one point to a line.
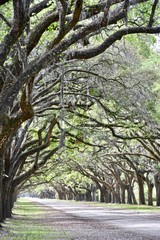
<point>29,222</point>
<point>125,206</point>
<point>117,206</point>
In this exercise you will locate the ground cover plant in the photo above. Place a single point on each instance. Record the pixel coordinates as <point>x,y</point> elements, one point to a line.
<point>29,223</point>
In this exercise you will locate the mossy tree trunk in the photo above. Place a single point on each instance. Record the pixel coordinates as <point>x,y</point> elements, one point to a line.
<point>157,185</point>
<point>123,195</point>
<point>1,187</point>
<point>140,182</point>
<point>150,186</point>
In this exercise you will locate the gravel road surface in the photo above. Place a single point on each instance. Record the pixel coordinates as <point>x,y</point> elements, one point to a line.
<point>88,222</point>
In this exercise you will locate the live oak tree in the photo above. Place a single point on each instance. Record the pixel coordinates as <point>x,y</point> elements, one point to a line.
<point>113,126</point>
<point>25,156</point>
<point>117,170</point>
<point>38,36</point>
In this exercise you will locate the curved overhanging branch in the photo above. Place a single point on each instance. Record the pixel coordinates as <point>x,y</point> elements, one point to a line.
<point>39,7</point>
<point>20,18</point>
<point>35,66</point>
<point>92,52</point>
<point>66,28</point>
<point>54,55</point>
<point>89,11</point>
<point>41,145</point>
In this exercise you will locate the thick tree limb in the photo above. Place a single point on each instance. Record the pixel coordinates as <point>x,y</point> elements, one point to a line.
<point>89,53</point>
<point>39,7</point>
<point>19,22</point>
<point>3,1</point>
<point>65,29</point>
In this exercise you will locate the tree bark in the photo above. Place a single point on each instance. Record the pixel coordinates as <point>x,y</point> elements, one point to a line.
<point>150,193</point>
<point>157,185</point>
<point>109,197</point>
<point>129,195</point>
<point>8,201</point>
<point>1,184</point>
<point>102,194</point>
<point>123,195</point>
<point>88,195</point>
<point>133,197</point>
<point>117,197</point>
<point>141,189</point>
<point>1,188</point>
<point>94,189</point>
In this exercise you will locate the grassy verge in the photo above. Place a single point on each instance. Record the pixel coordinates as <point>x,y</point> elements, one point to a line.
<point>127,206</point>
<point>31,222</point>
<point>124,206</point>
<point>116,205</point>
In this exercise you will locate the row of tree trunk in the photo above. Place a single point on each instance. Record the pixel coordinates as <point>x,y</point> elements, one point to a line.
<point>123,193</point>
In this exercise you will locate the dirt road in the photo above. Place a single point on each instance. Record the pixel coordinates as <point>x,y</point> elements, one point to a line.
<point>88,222</point>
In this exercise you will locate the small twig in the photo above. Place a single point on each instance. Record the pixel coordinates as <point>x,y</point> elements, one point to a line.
<point>5,20</point>
<point>151,20</point>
